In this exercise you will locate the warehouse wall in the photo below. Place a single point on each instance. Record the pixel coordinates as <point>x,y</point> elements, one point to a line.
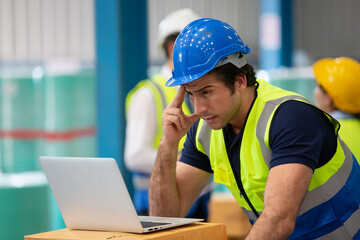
<point>37,30</point>
<point>46,29</point>
<point>327,28</point>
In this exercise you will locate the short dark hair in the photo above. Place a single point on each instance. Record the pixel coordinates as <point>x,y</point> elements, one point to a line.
<point>171,38</point>
<point>229,71</point>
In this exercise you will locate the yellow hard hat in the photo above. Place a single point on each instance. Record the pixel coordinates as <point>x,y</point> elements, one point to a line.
<point>340,78</point>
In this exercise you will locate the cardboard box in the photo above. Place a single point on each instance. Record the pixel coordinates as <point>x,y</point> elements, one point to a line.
<point>223,208</point>
<point>196,231</point>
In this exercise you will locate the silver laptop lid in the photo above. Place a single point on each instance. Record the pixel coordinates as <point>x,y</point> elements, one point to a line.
<point>91,193</point>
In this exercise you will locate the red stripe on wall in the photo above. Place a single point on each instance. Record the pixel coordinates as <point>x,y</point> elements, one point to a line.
<point>26,134</point>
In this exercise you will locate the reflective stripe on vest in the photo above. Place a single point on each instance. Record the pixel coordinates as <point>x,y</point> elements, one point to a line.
<point>328,185</point>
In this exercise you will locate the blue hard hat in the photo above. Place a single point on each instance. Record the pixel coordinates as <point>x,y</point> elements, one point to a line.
<point>200,46</point>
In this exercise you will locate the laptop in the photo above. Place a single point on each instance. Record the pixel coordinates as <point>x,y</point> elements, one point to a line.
<point>91,195</point>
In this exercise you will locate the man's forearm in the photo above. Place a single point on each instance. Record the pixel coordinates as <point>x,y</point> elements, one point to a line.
<point>271,227</point>
<point>163,193</point>
<point>285,190</point>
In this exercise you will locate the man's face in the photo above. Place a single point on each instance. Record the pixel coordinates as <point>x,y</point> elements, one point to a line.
<point>213,101</point>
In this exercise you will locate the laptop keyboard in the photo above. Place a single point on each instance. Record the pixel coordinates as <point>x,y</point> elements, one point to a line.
<point>152,224</point>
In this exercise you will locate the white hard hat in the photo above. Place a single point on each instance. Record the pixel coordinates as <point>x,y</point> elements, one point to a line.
<point>175,22</point>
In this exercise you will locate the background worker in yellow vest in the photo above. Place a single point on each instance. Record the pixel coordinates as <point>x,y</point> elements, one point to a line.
<point>279,155</point>
<point>145,104</point>
<point>337,93</point>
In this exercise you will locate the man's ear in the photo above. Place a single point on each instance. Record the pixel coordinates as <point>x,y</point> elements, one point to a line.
<point>241,81</point>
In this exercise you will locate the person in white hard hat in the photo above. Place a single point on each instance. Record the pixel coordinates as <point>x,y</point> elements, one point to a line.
<point>144,106</point>
<point>169,29</point>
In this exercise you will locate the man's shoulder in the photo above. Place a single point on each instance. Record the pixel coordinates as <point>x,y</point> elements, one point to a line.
<point>302,117</point>
<point>294,109</point>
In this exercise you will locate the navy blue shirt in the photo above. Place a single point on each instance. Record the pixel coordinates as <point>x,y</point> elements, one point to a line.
<point>299,133</point>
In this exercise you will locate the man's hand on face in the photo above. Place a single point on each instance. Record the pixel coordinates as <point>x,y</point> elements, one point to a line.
<point>175,122</point>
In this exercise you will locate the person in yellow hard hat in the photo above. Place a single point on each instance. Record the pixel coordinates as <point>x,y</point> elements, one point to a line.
<point>144,106</point>
<point>337,93</point>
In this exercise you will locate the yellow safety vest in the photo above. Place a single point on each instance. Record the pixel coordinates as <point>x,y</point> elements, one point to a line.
<point>350,133</point>
<point>255,156</point>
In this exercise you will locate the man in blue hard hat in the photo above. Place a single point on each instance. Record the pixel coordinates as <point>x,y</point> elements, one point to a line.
<point>278,154</point>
